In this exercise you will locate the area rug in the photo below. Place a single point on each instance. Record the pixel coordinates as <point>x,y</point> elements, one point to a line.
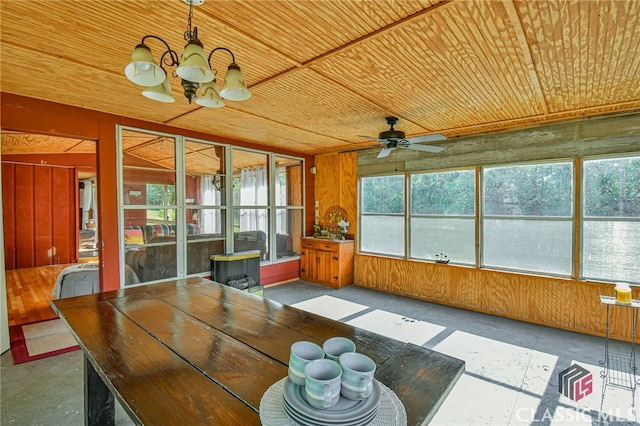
<point>40,340</point>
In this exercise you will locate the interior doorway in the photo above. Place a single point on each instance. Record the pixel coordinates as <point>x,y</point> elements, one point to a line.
<point>43,217</point>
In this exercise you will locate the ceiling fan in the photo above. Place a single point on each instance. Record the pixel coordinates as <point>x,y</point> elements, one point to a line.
<point>393,138</point>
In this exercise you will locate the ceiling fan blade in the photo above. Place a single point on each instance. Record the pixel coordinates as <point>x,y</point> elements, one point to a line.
<point>427,138</point>
<point>426,148</point>
<point>385,152</point>
<point>372,138</point>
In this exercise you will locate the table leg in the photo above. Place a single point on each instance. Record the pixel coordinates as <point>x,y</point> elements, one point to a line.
<point>99,405</point>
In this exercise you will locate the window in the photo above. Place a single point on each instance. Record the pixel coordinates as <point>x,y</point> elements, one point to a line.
<point>148,191</point>
<point>205,206</point>
<point>443,216</point>
<point>527,221</point>
<point>382,215</point>
<point>161,195</point>
<point>289,206</point>
<point>184,200</point>
<point>250,202</point>
<point>611,219</point>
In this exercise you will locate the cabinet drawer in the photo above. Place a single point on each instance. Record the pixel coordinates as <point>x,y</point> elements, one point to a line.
<point>320,245</point>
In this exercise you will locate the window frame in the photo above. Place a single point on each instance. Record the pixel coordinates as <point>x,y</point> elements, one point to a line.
<point>182,205</point>
<point>583,217</point>
<point>362,214</point>
<point>571,218</point>
<point>411,215</point>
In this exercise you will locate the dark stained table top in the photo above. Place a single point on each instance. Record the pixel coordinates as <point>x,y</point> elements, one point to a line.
<point>196,351</point>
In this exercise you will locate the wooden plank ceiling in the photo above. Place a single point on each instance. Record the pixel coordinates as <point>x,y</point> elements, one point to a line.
<point>323,72</point>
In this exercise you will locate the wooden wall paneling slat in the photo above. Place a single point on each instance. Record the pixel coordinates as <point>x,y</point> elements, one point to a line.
<point>461,285</point>
<point>9,215</point>
<point>439,288</point>
<point>296,199</point>
<point>64,205</point>
<point>590,313</point>
<point>327,186</point>
<point>45,250</point>
<point>550,301</point>
<point>25,232</point>
<point>65,234</point>
<point>349,188</point>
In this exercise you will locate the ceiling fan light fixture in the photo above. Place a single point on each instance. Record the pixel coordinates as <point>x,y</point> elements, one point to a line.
<point>235,88</point>
<point>194,69</point>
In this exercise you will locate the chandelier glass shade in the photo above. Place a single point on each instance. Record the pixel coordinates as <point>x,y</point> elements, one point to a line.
<point>194,69</point>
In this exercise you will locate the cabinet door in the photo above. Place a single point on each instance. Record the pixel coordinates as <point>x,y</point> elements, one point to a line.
<point>334,269</point>
<point>323,266</point>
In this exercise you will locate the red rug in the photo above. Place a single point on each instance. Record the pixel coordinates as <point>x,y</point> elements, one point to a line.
<point>40,340</point>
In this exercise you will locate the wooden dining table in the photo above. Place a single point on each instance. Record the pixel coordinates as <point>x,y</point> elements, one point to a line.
<point>192,351</point>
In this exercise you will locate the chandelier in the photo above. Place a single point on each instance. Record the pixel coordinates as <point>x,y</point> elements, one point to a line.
<point>194,70</point>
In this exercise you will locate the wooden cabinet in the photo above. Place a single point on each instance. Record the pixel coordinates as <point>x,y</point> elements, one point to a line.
<point>327,262</point>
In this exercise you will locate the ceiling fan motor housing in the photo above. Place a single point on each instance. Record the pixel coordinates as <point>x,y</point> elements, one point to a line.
<point>392,134</point>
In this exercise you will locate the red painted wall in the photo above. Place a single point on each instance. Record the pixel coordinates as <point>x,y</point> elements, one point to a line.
<point>37,116</point>
<point>39,210</point>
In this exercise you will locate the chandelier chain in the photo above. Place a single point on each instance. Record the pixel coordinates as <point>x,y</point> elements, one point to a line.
<point>189,35</point>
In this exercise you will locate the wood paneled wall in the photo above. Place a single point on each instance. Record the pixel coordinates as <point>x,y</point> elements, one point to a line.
<point>39,209</point>
<point>336,184</point>
<point>560,303</point>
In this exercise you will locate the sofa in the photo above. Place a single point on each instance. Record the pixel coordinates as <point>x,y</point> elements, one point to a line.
<point>251,240</point>
<point>151,263</point>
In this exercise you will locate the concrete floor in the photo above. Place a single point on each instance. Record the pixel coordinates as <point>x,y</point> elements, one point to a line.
<point>511,373</point>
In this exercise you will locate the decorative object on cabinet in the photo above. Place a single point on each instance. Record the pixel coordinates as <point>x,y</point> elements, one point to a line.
<point>343,229</point>
<point>327,262</point>
<point>334,215</point>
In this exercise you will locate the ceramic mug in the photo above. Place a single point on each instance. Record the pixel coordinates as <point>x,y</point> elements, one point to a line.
<point>336,346</point>
<point>357,375</point>
<point>322,382</point>
<point>302,353</point>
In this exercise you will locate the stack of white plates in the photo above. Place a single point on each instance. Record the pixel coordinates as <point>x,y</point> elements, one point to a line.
<point>345,413</point>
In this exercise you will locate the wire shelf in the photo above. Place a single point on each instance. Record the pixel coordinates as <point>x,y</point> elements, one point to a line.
<point>621,371</point>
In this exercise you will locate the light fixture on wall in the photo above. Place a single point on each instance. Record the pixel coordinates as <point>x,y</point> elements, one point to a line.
<point>194,70</point>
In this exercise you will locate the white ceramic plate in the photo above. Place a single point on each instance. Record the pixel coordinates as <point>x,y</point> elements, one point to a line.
<point>305,421</point>
<point>345,410</point>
